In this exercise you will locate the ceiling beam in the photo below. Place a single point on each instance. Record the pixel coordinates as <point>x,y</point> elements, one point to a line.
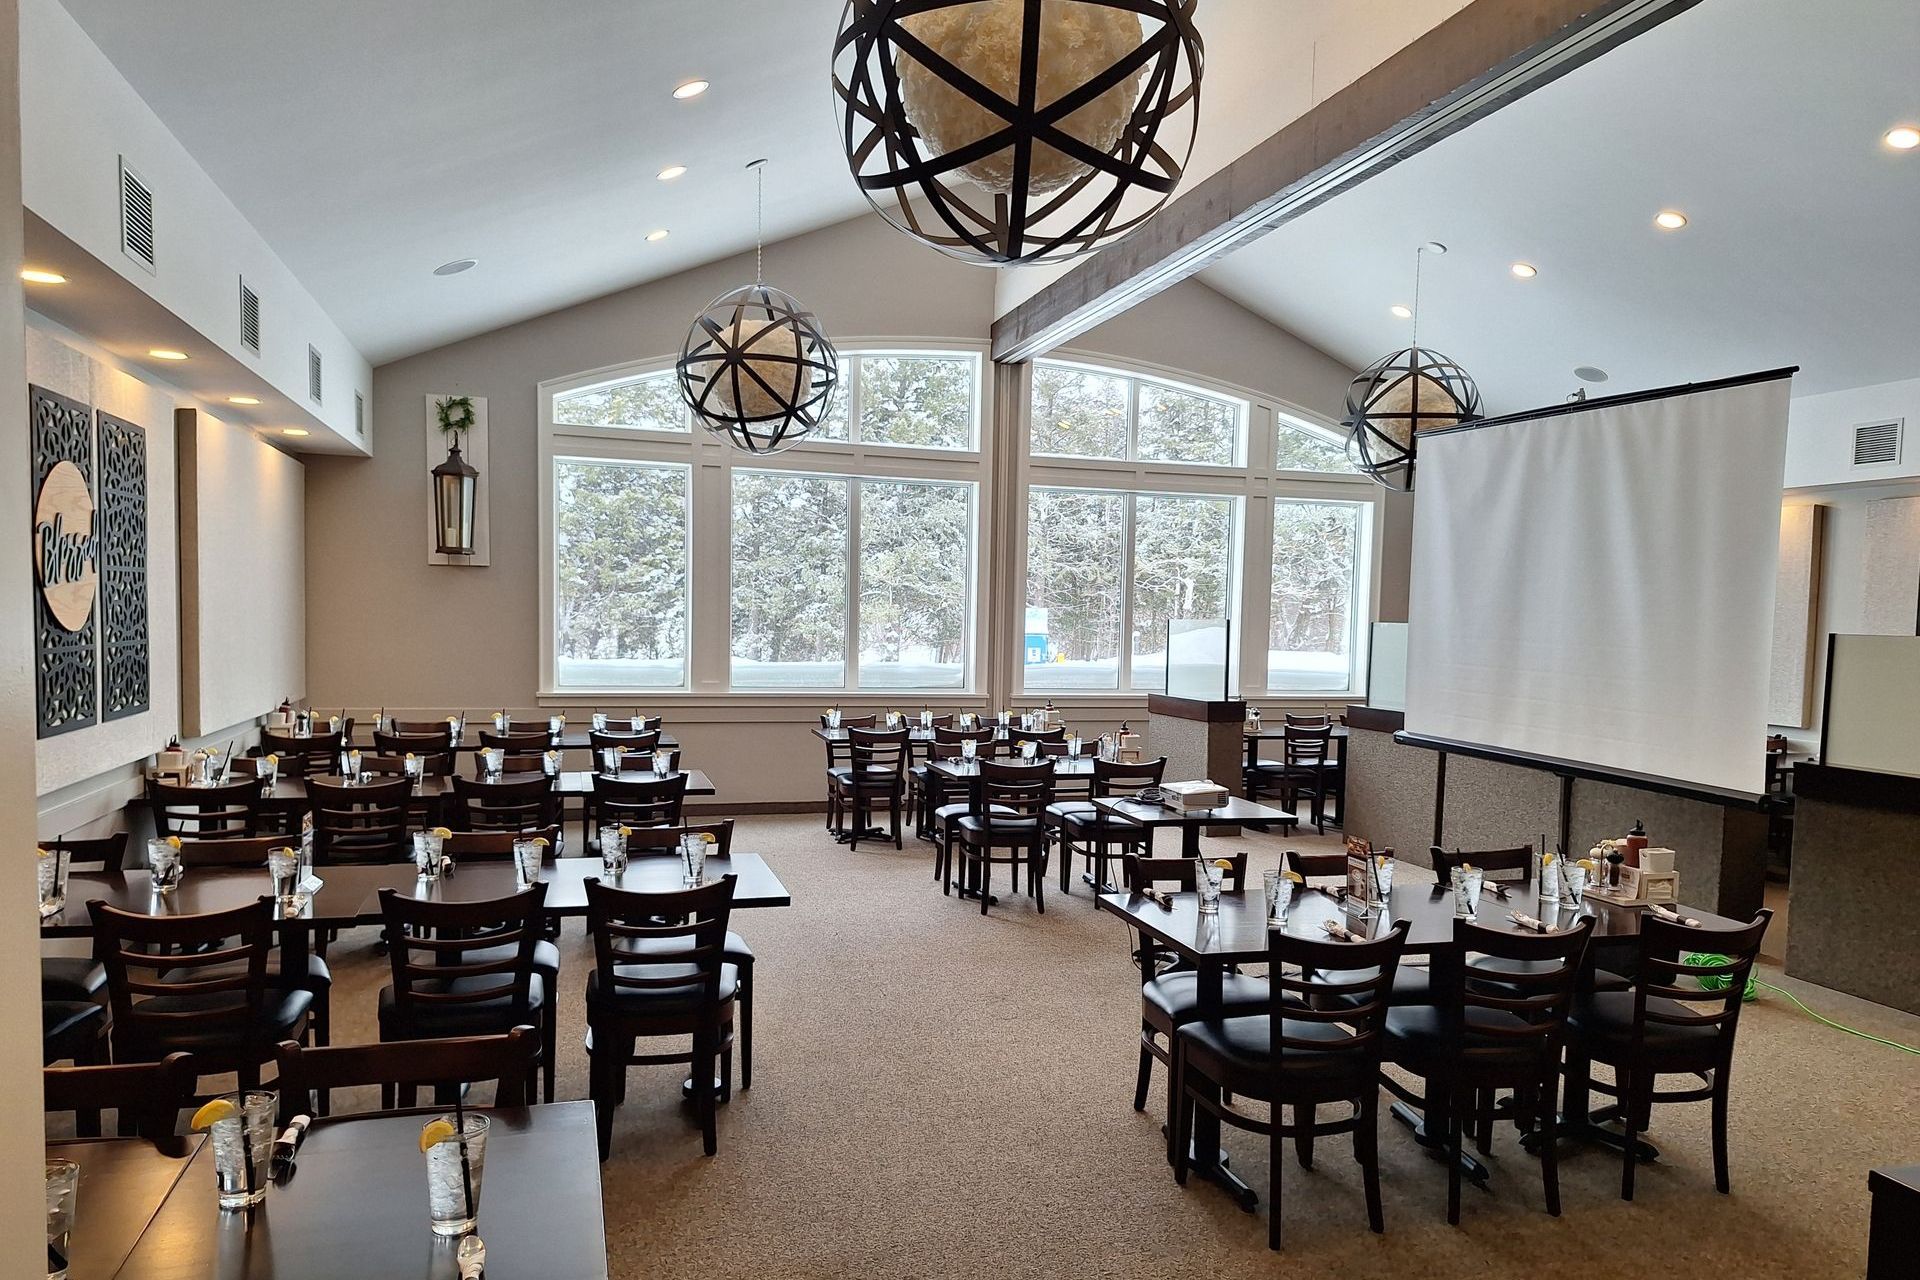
<point>1488,54</point>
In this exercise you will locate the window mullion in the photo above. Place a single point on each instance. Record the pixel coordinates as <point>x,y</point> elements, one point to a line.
<point>851,681</point>
<point>1127,530</point>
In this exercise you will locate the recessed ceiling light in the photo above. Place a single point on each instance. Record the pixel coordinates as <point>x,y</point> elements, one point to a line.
<point>1670,219</point>
<point>1402,310</point>
<point>243,400</point>
<point>165,353</point>
<point>42,277</point>
<point>294,431</point>
<point>455,267</point>
<point>691,89</point>
<point>661,234</point>
<point>671,172</point>
<point>1524,270</point>
<point>1903,137</point>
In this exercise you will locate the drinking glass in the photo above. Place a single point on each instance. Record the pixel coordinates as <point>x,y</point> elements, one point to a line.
<point>893,720</point>
<point>663,763</point>
<point>63,1190</point>
<point>550,764</point>
<point>411,767</point>
<point>200,771</point>
<point>527,856</point>
<point>1467,883</point>
<point>638,724</point>
<point>1029,750</point>
<point>610,761</point>
<point>50,869</point>
<point>283,867</point>
<point>969,748</point>
<point>1576,882</point>
<point>1279,893</point>
<point>1383,877</point>
<point>926,719</point>
<point>968,720</point>
<point>1006,719</point>
<point>163,860</point>
<point>501,721</point>
<point>599,722</point>
<point>833,718</point>
<point>693,852</point>
<point>1549,875</point>
<point>613,852</point>
<point>1074,744</point>
<point>555,724</point>
<point>491,758</point>
<point>242,1144</point>
<point>427,848</point>
<point>454,1170</point>
<point>1206,879</point>
<point>270,770</point>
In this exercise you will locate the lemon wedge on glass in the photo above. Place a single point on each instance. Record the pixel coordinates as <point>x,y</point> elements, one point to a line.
<point>1225,864</point>
<point>625,831</point>
<point>443,833</point>
<point>213,1113</point>
<point>1294,876</point>
<point>542,841</point>
<point>707,837</point>
<point>435,1132</point>
<point>174,841</point>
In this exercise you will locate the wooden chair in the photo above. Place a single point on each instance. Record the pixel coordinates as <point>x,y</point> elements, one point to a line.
<point>1009,813</point>
<point>930,791</point>
<point>624,724</point>
<point>838,756</point>
<point>94,853</point>
<point>509,804</point>
<point>496,846</point>
<point>1147,873</point>
<point>1498,1022</point>
<point>1303,770</point>
<point>1318,866</point>
<point>72,1031</point>
<point>601,739</point>
<point>466,969</point>
<point>432,764</point>
<point>1499,864</point>
<point>1304,1052</point>
<point>435,741</point>
<point>1080,826</point>
<point>1680,1018</point>
<point>682,987</point>
<point>361,821</point>
<point>197,984</point>
<point>445,1065</point>
<point>224,811</point>
<point>876,776</point>
<point>409,728</point>
<point>249,852</point>
<point>636,802</point>
<point>79,977</point>
<point>147,1096</point>
<point>304,757</point>
<point>523,752</point>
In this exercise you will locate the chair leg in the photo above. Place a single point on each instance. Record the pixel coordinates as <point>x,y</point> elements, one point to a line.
<point>1483,1120</point>
<point>1366,1140</point>
<point>1303,1117</point>
<point>1456,1124</point>
<point>726,1072</point>
<point>1179,1113</point>
<point>1144,1076</point>
<point>600,1089</point>
<point>746,1027</point>
<point>703,1094</point>
<point>1550,1150</point>
<point>1629,1117</point>
<point>1721,1183</point>
<point>1276,1163</point>
<point>893,811</point>
<point>549,1046</point>
<point>985,880</point>
<point>1037,878</point>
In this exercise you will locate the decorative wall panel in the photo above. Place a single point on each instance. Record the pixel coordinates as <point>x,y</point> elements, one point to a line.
<point>125,688</point>
<point>65,552</point>
<point>1796,604</point>
<point>1891,569</point>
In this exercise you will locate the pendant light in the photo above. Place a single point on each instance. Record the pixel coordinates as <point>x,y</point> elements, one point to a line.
<point>1017,131</point>
<point>1394,399</point>
<point>757,369</point>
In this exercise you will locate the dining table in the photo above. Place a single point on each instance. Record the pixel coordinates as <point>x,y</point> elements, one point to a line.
<point>569,739</point>
<point>963,773</point>
<point>1237,935</point>
<point>1235,811</point>
<point>355,1205</point>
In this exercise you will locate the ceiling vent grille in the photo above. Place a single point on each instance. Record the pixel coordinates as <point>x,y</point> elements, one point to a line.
<point>1877,443</point>
<point>313,373</point>
<point>136,217</point>
<point>249,318</point>
<point>359,415</point>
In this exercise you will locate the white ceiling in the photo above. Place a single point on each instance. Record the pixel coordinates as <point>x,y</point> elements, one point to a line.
<point>1760,119</point>
<point>370,141</point>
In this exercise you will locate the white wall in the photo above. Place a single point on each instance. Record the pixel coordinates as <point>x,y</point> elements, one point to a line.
<point>1820,434</point>
<point>79,116</point>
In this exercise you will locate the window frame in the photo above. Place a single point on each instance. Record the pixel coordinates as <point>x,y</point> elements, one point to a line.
<point>1138,377</point>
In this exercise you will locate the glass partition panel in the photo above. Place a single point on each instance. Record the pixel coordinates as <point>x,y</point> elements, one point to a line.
<point>1197,658</point>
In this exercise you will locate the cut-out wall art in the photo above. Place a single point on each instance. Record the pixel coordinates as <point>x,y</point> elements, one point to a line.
<point>125,686</point>
<point>65,561</point>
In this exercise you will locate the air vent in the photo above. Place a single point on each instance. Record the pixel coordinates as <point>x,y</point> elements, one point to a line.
<point>249,318</point>
<point>1876,444</point>
<point>313,373</point>
<point>359,414</point>
<point>136,216</point>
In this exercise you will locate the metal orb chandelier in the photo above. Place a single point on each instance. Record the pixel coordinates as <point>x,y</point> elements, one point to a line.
<point>1394,399</point>
<point>757,369</point>
<point>1017,131</point>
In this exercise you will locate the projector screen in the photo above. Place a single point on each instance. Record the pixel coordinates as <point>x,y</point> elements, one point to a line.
<point>1596,585</point>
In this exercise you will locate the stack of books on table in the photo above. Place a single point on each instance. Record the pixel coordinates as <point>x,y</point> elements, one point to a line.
<point>1191,797</point>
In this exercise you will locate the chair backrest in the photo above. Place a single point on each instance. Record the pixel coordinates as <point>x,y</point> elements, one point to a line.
<point>877,754</point>
<point>495,846</point>
<point>434,743</point>
<point>1531,975</point>
<point>1713,990</point>
<point>1142,874</point>
<point>148,1094</point>
<point>1321,721</point>
<point>224,811</point>
<point>947,733</point>
<point>1016,735</point>
<point>94,853</point>
<point>1306,745</point>
<point>437,764</point>
<point>1499,864</point>
<point>648,724</point>
<point>1317,866</point>
<point>442,1064</point>
<point>602,738</point>
<point>249,852</point>
<point>638,802</point>
<point>1015,795</point>
<point>1110,777</point>
<point>683,934</point>
<point>360,821</point>
<point>524,742</point>
<point>853,722</point>
<point>1332,985</point>
<point>643,840</point>
<point>487,946</point>
<point>409,728</point>
<point>169,974</point>
<point>509,804</point>
<point>302,757</point>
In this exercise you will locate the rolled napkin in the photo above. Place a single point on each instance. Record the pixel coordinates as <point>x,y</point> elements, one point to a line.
<point>1158,897</point>
<point>1671,916</point>
<point>1527,922</point>
<point>287,1146</point>
<point>1338,930</point>
<point>1499,890</point>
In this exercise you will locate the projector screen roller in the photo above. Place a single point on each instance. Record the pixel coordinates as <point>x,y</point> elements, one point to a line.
<point>1596,585</point>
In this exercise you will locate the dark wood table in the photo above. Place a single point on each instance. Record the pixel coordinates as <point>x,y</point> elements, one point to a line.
<point>1237,935</point>
<point>573,739</point>
<point>123,1184</point>
<point>756,884</point>
<point>357,1206</point>
<point>579,782</point>
<point>961,771</point>
<point>1236,812</point>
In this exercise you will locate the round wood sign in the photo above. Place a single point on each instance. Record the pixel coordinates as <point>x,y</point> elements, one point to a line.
<point>63,545</point>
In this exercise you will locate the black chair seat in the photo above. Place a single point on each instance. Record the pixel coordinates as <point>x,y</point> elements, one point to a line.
<point>1013,828</point>
<point>659,1001</point>
<point>1419,1036</point>
<point>481,1017</point>
<point>546,957</point>
<point>318,976</point>
<point>67,1027</point>
<point>1176,994</point>
<point>1604,1022</point>
<point>735,950</point>
<point>71,977</point>
<point>280,1020</point>
<point>1066,810</point>
<point>1097,821</point>
<point>1411,986</point>
<point>1246,1045</point>
<point>962,809</point>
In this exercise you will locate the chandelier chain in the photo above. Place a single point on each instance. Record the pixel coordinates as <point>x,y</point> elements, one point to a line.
<point>759,168</point>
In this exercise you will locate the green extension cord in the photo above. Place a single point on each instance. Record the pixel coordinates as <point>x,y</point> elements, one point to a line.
<point>1719,982</point>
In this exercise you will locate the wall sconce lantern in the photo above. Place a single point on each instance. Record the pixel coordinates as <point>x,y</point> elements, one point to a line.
<point>456,483</point>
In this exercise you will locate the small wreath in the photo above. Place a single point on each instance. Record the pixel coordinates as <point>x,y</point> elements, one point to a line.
<point>456,413</point>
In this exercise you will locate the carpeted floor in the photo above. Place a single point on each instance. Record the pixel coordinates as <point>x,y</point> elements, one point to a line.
<point>941,1094</point>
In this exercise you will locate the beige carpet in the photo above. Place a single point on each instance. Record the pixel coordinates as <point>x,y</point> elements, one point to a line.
<point>938,1094</point>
